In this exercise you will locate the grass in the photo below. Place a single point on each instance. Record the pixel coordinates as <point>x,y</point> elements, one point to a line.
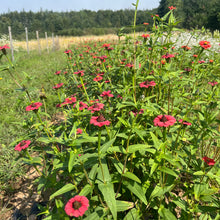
<point>169,96</point>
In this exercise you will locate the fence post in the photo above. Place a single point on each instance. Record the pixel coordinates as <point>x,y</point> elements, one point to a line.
<point>57,43</point>
<point>37,34</point>
<point>47,42</point>
<point>53,41</point>
<point>11,43</point>
<point>26,33</point>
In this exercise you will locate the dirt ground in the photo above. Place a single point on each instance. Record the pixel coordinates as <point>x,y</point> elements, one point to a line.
<point>22,198</point>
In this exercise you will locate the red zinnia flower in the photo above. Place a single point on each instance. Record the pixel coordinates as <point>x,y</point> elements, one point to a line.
<point>145,35</point>
<point>69,101</point>
<point>106,45</point>
<point>184,122</point>
<point>146,23</point>
<point>4,47</point>
<point>57,86</point>
<point>167,56</point>
<point>57,72</point>
<point>97,78</point>
<point>33,106</point>
<point>77,206</point>
<point>213,83</point>
<point>107,94</point>
<point>147,84</point>
<point>96,107</point>
<point>172,8</point>
<point>164,120</point>
<point>82,105</point>
<point>186,47</point>
<point>79,131</point>
<point>80,72</point>
<point>68,51</point>
<point>99,121</point>
<point>209,161</point>
<point>205,44</point>
<point>22,145</point>
<point>129,65</point>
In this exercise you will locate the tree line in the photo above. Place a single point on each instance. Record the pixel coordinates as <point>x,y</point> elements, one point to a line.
<point>191,13</point>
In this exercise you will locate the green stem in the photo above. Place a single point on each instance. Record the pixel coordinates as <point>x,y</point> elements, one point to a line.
<point>99,154</point>
<point>87,97</point>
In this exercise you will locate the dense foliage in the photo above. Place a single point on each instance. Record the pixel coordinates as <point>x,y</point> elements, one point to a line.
<point>194,13</point>
<point>72,23</point>
<point>191,13</point>
<point>136,129</point>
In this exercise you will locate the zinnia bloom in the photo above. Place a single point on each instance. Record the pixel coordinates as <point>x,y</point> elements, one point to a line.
<point>57,72</point>
<point>33,106</point>
<point>145,35</point>
<point>79,131</point>
<point>57,86</point>
<point>205,44</point>
<point>164,120</point>
<point>106,94</point>
<point>22,145</point>
<point>208,161</point>
<point>98,78</point>
<point>99,121</point>
<point>82,105</point>
<point>77,206</point>
<point>172,8</point>
<point>185,122</point>
<point>79,72</point>
<point>96,107</point>
<point>147,84</point>
<point>69,101</point>
<point>213,83</point>
<point>3,49</point>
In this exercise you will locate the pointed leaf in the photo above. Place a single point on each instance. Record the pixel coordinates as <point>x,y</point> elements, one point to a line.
<point>107,190</point>
<point>63,190</point>
<point>131,176</point>
<point>135,188</point>
<point>123,205</point>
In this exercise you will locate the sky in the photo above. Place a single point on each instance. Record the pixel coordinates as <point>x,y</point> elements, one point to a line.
<point>74,5</point>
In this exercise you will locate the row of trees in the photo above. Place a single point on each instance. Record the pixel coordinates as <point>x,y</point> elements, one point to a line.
<point>191,13</point>
<point>70,23</point>
<point>194,13</point>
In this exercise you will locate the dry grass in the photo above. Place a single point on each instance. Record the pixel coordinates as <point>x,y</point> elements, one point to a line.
<point>62,42</point>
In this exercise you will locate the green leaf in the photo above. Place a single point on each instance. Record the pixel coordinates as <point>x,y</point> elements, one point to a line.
<point>105,146</point>
<point>131,176</point>
<point>125,123</point>
<point>118,149</point>
<point>135,188</point>
<point>63,190</point>
<point>155,140</point>
<point>169,171</point>
<point>103,170</point>
<point>123,205</point>
<point>95,215</point>
<point>118,165</point>
<point>153,167</point>
<point>73,157</point>
<point>44,140</point>
<point>198,173</point>
<point>159,191</point>
<point>132,215</point>
<point>137,147</point>
<point>166,214</point>
<point>86,190</point>
<point>107,190</point>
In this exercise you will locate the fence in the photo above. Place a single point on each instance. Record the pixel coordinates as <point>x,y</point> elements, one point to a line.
<point>55,42</point>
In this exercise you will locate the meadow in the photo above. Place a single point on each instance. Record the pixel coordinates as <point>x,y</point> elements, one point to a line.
<point>116,128</point>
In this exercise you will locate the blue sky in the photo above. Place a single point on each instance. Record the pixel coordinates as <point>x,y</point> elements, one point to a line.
<point>74,5</point>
